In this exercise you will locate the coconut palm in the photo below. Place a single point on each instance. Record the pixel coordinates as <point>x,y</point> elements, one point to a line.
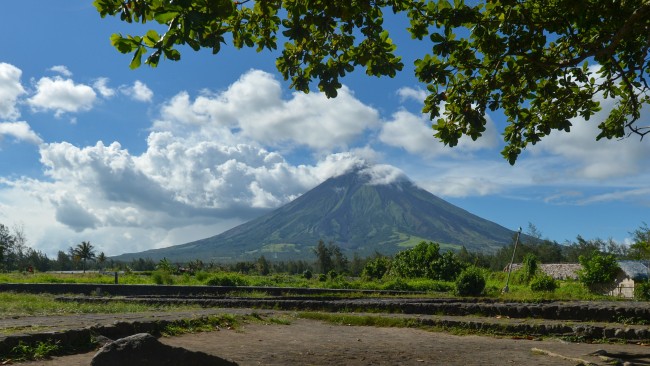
<point>101,258</point>
<point>84,251</point>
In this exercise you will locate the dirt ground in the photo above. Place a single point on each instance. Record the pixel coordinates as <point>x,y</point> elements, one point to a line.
<point>307,342</point>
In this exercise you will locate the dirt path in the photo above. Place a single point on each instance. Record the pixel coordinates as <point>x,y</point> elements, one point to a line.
<point>307,342</point>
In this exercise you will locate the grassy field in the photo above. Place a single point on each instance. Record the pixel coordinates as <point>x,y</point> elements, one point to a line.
<point>19,304</point>
<point>568,290</point>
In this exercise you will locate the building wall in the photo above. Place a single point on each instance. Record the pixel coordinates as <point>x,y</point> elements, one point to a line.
<point>624,288</point>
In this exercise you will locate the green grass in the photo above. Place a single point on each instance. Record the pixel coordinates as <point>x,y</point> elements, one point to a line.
<point>360,320</point>
<point>568,290</point>
<point>217,322</point>
<point>205,324</point>
<point>390,322</point>
<point>18,304</point>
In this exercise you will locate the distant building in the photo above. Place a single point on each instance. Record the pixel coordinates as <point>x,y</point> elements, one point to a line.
<point>631,272</point>
<point>623,285</point>
<point>559,271</point>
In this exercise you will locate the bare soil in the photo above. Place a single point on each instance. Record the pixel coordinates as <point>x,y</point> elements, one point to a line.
<point>308,342</point>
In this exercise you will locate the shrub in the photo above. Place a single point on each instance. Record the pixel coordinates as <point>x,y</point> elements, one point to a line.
<point>227,279</point>
<point>470,282</point>
<point>543,283</point>
<point>397,284</point>
<point>642,290</point>
<point>160,277</point>
<point>415,262</point>
<point>446,268</point>
<point>332,274</point>
<point>201,276</point>
<point>307,274</point>
<point>598,270</point>
<point>529,267</point>
<point>375,269</point>
<point>322,277</point>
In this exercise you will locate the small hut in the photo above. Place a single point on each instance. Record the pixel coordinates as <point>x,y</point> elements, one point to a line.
<point>630,273</point>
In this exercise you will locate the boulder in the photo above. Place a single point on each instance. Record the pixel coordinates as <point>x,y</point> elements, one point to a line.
<point>143,349</point>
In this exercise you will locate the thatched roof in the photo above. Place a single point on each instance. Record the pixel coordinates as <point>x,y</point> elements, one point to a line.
<point>559,271</point>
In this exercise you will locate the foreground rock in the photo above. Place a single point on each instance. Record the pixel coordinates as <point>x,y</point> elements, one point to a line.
<point>143,349</point>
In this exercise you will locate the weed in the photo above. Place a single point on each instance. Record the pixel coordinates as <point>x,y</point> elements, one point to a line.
<point>38,351</point>
<point>204,324</point>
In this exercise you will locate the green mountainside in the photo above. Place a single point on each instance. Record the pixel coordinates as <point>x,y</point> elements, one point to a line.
<point>353,213</point>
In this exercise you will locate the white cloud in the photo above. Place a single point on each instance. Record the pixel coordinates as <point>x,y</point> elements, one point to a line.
<point>61,69</point>
<point>10,90</point>
<point>221,158</point>
<point>253,106</point>
<point>581,157</point>
<point>101,85</point>
<point>414,134</point>
<point>177,183</point>
<point>461,186</point>
<point>62,96</point>
<point>383,174</point>
<point>417,94</point>
<point>139,91</point>
<point>20,131</point>
<point>638,195</point>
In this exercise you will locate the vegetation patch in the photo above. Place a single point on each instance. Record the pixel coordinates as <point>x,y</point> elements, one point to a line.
<point>204,324</point>
<point>217,322</point>
<point>38,351</point>
<point>19,304</point>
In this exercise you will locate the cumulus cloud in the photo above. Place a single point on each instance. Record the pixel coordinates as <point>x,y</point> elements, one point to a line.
<point>582,157</point>
<point>138,91</point>
<point>61,69</point>
<point>101,85</point>
<point>20,131</point>
<point>10,90</point>
<point>416,94</point>
<point>72,213</point>
<point>413,133</point>
<point>254,106</point>
<point>382,174</point>
<point>62,96</point>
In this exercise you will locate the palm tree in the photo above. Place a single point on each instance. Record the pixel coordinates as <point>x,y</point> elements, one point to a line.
<point>101,258</point>
<point>84,251</point>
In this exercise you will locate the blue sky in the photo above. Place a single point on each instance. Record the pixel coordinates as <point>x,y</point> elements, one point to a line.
<point>138,159</point>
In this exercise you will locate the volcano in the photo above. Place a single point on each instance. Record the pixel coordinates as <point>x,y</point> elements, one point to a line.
<point>357,212</point>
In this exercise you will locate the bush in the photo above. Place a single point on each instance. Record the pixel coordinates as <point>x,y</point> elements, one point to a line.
<point>543,283</point>
<point>227,279</point>
<point>470,282</point>
<point>201,276</point>
<point>642,290</point>
<point>397,284</point>
<point>376,268</point>
<point>160,277</point>
<point>529,267</point>
<point>598,270</point>
<point>415,262</point>
<point>307,274</point>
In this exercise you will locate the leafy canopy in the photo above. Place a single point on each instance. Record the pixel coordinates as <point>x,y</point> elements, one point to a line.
<point>540,62</point>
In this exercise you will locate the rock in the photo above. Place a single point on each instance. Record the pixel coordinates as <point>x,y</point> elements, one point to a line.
<point>143,349</point>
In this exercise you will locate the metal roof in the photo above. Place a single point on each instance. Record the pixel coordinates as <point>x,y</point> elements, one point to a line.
<point>636,270</point>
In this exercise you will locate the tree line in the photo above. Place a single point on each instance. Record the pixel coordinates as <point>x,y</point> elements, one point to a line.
<point>424,260</point>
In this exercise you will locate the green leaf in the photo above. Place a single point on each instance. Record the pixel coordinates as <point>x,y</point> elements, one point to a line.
<point>136,61</point>
<point>166,17</point>
<point>151,38</point>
